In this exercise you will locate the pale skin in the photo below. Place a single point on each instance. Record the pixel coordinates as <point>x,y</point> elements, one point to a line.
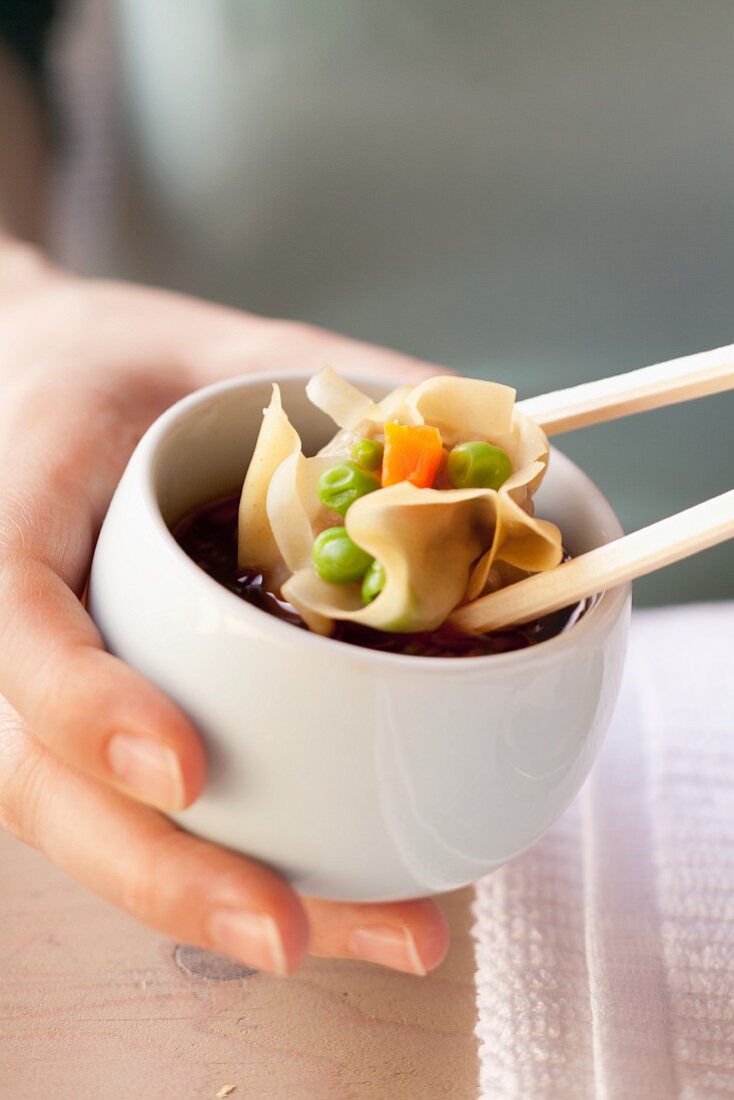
<point>90,752</point>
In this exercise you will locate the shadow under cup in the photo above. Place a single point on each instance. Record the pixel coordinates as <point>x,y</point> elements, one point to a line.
<point>360,775</point>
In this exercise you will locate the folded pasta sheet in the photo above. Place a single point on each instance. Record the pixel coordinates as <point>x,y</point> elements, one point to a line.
<point>419,503</point>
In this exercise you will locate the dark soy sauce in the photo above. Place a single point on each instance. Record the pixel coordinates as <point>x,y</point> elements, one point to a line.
<point>209,536</point>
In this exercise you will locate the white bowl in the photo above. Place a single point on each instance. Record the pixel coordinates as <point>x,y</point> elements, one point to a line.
<point>360,775</point>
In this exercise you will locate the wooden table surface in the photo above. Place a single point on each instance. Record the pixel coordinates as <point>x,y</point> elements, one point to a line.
<point>92,1005</point>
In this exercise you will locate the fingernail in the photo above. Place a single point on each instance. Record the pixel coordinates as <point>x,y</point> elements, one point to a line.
<point>253,937</point>
<point>147,767</point>
<point>388,944</point>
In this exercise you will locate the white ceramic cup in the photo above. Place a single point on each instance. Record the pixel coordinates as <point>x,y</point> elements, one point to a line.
<point>359,775</point>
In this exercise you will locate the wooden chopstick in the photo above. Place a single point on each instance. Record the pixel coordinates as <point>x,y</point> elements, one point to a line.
<point>699,375</point>
<point>617,562</point>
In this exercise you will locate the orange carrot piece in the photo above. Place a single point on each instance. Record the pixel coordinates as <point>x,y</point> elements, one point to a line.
<point>413,452</point>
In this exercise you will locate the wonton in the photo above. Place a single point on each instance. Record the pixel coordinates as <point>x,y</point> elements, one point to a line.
<point>420,503</point>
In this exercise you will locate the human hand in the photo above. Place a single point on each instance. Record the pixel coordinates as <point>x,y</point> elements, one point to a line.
<point>90,752</point>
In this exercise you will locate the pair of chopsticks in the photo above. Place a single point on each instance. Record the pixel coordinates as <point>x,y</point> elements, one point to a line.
<point>644,551</point>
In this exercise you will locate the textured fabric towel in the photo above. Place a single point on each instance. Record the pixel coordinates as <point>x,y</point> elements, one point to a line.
<point>605,954</point>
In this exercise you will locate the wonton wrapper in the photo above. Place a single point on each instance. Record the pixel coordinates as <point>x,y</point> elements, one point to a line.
<point>437,546</point>
<point>426,540</point>
<point>339,399</point>
<point>276,441</point>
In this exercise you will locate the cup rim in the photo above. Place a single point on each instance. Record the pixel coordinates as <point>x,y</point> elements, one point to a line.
<point>599,618</point>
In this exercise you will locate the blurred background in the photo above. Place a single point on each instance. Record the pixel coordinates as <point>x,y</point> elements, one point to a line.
<point>535,192</point>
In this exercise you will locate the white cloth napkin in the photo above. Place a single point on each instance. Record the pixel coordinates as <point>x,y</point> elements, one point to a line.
<point>605,955</point>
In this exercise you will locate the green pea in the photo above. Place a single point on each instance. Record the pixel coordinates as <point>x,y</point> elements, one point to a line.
<point>373,583</point>
<point>337,559</point>
<point>478,465</point>
<point>367,453</point>
<point>340,486</point>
